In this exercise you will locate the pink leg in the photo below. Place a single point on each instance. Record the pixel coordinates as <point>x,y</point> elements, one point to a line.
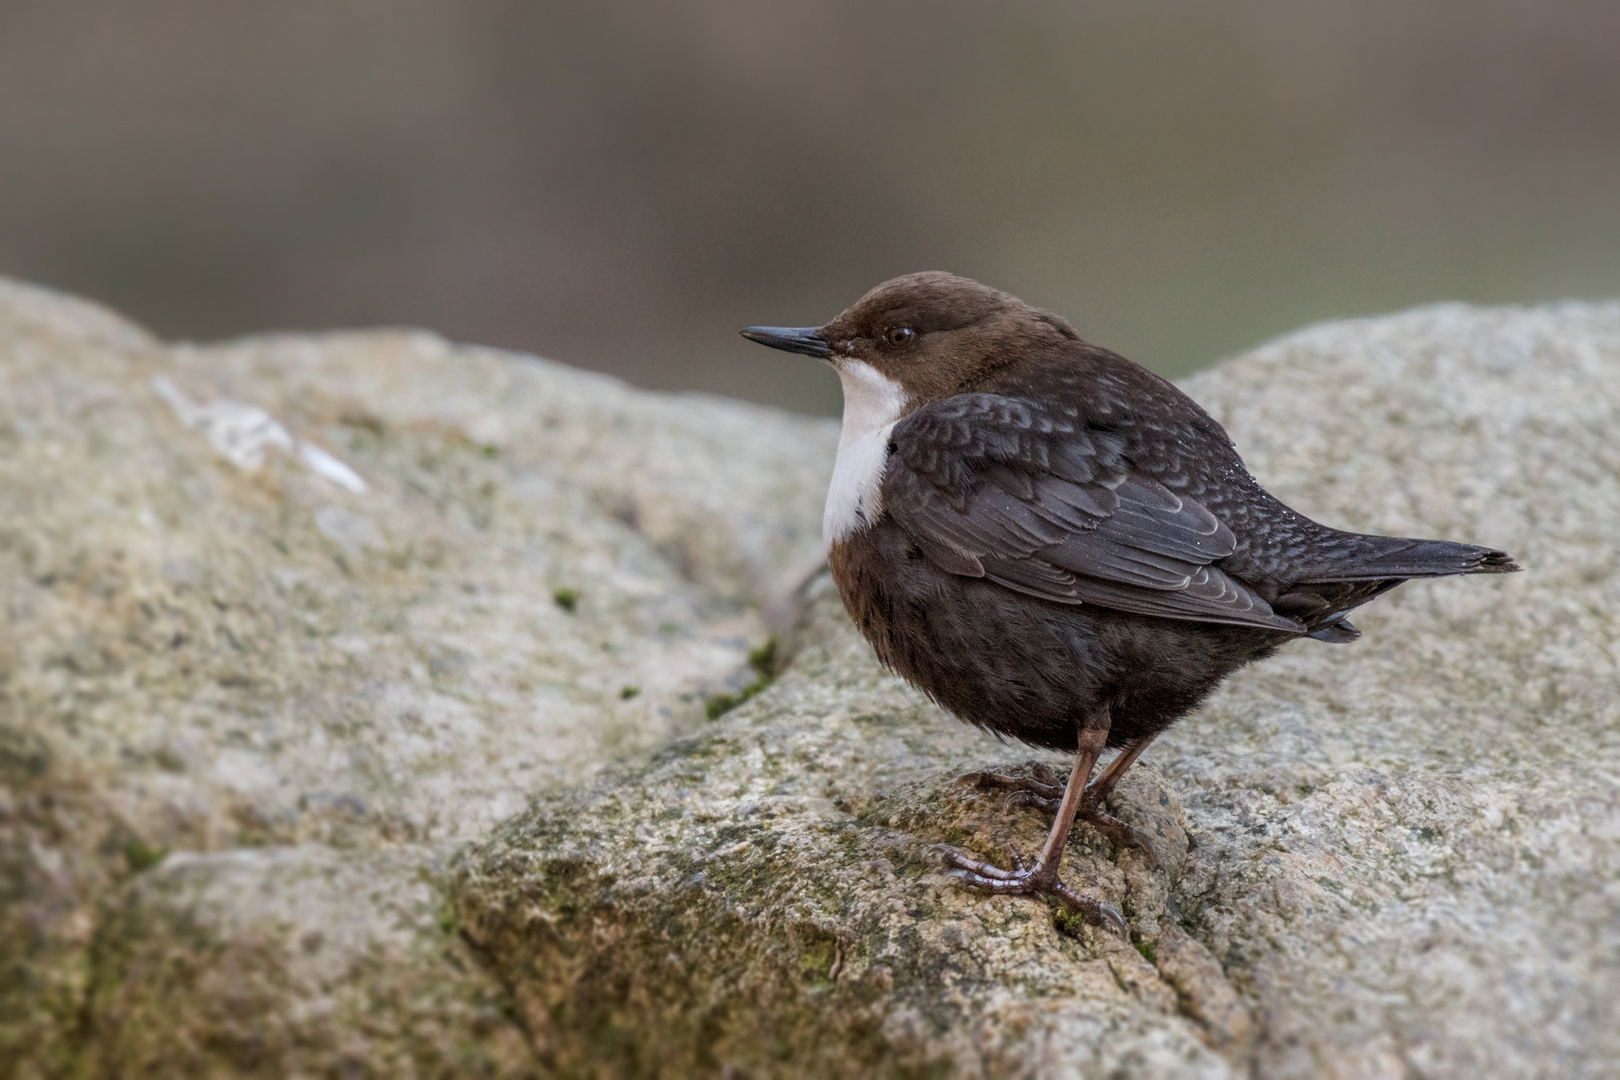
<point>1097,792</point>
<point>1041,791</point>
<point>1043,876</point>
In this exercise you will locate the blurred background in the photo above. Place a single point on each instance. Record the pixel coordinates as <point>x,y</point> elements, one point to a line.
<point>622,186</point>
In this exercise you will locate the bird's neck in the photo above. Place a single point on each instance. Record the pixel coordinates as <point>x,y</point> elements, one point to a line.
<point>873,404</point>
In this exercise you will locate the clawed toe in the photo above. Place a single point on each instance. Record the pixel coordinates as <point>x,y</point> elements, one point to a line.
<point>1122,834</point>
<point>1038,790</point>
<point>1093,911</point>
<point>1032,798</point>
<point>974,871</point>
<point>1076,799</point>
<point>1030,881</point>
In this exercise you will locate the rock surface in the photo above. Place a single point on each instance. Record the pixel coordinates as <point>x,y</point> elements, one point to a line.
<point>290,620</point>
<point>296,627</point>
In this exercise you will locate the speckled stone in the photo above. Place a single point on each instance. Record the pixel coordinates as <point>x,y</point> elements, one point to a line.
<point>322,609</point>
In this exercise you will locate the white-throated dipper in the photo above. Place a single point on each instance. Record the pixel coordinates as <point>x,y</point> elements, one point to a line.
<point>1058,545</point>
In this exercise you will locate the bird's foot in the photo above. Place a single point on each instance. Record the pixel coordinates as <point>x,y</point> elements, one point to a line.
<point>1040,791</point>
<point>1034,880</point>
<point>1043,789</point>
<point>1119,832</point>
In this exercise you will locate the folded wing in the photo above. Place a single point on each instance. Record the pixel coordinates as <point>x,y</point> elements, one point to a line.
<point>1000,488</point>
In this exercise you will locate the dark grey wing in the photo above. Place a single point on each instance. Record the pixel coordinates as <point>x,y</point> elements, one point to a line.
<point>1000,488</point>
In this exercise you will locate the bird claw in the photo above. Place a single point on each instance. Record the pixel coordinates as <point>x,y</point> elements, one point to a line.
<point>1122,834</point>
<point>1030,798</point>
<point>1048,797</point>
<point>1040,789</point>
<point>1095,912</point>
<point>1031,881</point>
<point>1045,775</point>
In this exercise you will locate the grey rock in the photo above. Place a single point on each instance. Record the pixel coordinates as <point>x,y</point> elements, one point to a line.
<point>1394,858</point>
<point>285,961</point>
<point>288,621</point>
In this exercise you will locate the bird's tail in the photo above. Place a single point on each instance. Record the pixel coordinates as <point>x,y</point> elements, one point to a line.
<point>1352,568</point>
<point>1378,558</point>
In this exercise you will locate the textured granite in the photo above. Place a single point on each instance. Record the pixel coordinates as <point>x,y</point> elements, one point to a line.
<point>287,621</point>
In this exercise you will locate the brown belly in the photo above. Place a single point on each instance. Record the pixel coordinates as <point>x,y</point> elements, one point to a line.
<point>1028,668</point>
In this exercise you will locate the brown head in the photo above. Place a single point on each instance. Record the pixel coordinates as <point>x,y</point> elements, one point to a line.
<point>931,335</point>
<point>908,343</point>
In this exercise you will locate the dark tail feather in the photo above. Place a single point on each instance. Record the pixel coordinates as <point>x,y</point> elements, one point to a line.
<point>1337,632</point>
<point>1372,558</point>
<point>1496,562</point>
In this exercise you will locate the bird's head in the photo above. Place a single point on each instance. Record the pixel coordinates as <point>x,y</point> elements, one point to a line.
<point>916,339</point>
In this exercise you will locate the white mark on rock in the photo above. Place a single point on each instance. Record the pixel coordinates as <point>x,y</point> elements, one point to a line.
<point>240,432</point>
<point>325,465</point>
<point>243,434</point>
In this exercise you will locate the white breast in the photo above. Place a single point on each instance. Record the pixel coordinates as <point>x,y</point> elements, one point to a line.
<point>873,403</point>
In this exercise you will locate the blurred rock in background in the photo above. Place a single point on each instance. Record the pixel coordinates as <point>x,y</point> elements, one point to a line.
<point>621,186</point>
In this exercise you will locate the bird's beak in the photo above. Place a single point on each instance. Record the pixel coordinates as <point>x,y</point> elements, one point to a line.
<point>799,339</point>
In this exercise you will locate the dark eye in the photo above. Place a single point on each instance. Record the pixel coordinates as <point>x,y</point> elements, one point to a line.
<point>900,335</point>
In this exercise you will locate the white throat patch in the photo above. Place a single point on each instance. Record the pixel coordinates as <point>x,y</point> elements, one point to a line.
<point>873,403</point>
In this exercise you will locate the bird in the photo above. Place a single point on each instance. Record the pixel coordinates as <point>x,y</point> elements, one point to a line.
<point>1061,547</point>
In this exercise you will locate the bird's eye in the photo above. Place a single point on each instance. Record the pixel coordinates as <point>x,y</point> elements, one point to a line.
<point>900,335</point>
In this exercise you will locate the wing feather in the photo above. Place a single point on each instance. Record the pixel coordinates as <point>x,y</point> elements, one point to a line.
<point>995,487</point>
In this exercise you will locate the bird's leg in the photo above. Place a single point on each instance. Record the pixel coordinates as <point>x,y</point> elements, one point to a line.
<point>1041,792</point>
<point>1097,792</point>
<point>1043,876</point>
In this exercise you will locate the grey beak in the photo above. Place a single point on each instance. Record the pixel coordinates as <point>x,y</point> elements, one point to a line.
<point>798,339</point>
